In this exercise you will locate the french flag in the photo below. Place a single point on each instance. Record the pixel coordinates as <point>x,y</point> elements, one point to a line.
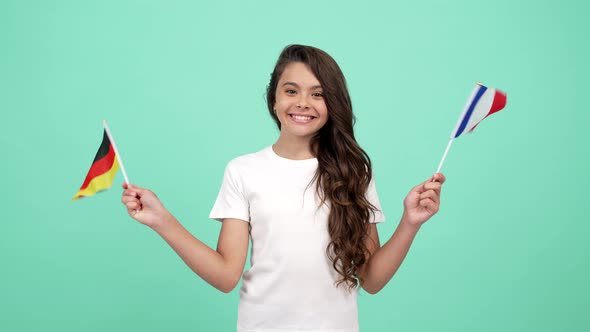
<point>482,102</point>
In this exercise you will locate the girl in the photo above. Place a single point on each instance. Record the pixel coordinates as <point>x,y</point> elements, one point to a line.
<point>308,204</point>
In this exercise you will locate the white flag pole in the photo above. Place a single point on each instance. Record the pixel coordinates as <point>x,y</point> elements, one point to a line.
<point>106,128</point>
<point>444,155</point>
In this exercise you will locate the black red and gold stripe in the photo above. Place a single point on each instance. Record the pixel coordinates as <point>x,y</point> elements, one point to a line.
<point>102,172</point>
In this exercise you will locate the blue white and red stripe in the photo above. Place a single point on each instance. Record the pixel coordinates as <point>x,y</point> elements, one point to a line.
<point>482,102</point>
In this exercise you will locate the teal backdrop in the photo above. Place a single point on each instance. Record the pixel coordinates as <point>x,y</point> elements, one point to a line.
<point>182,83</point>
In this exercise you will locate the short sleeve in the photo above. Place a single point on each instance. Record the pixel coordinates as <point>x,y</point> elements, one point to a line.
<point>374,199</point>
<point>231,201</point>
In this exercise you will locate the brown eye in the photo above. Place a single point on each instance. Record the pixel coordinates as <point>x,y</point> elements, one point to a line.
<point>290,92</point>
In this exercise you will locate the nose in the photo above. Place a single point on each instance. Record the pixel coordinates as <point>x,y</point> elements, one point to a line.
<point>302,102</point>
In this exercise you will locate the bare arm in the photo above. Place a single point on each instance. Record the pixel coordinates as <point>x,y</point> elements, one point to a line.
<point>222,268</point>
<point>422,202</point>
<point>385,261</point>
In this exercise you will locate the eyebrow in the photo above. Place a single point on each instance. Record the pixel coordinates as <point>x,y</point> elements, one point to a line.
<point>315,87</point>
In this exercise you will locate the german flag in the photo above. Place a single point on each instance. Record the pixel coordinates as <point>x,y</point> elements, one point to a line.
<point>103,170</point>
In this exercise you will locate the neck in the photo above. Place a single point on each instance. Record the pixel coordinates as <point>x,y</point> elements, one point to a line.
<point>296,148</point>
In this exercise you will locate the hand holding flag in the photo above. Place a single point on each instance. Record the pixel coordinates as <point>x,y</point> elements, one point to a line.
<point>423,201</point>
<point>483,102</point>
<point>144,206</point>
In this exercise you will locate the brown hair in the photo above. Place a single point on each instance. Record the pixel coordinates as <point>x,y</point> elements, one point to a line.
<point>344,168</point>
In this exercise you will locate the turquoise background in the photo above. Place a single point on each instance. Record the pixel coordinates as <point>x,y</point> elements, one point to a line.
<point>181,84</point>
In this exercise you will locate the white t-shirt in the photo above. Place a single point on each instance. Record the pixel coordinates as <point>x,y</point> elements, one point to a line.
<point>290,285</point>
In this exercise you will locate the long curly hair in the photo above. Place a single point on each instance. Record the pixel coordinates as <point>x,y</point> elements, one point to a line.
<point>344,168</point>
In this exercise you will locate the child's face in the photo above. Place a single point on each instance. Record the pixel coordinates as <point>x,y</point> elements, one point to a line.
<point>300,104</point>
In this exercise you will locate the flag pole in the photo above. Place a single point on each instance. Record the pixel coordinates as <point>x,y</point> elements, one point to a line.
<point>106,128</point>
<point>444,155</point>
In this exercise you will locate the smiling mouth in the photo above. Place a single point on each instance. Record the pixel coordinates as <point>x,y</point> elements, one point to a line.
<point>301,118</point>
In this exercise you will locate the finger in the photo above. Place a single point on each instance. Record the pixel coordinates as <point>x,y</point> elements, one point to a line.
<point>429,199</point>
<point>418,189</point>
<point>133,206</point>
<point>131,186</point>
<point>426,202</point>
<point>438,177</point>
<point>127,199</point>
<point>432,189</point>
<point>422,186</point>
<point>430,194</point>
<point>131,193</point>
<point>429,206</point>
<point>142,191</point>
<point>436,186</point>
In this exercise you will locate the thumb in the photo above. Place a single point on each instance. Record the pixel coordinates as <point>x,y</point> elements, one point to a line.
<point>139,196</point>
<point>438,177</point>
<point>127,185</point>
<point>137,189</point>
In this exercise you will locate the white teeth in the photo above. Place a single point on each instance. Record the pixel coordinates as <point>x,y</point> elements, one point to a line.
<point>302,117</point>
